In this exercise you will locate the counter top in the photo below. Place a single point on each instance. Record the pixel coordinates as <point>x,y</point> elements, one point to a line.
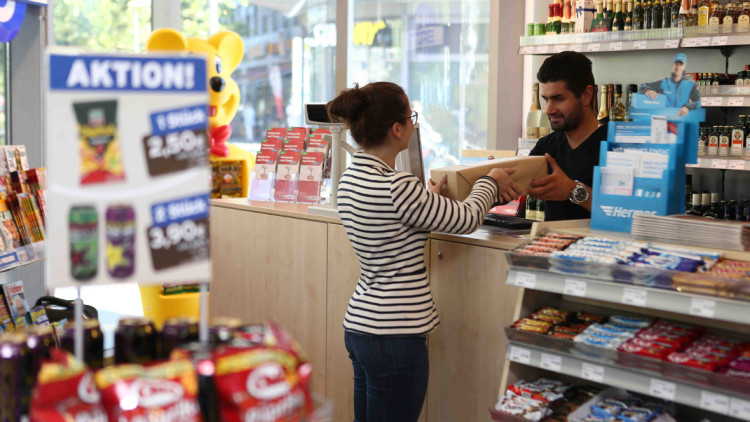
<point>491,237</point>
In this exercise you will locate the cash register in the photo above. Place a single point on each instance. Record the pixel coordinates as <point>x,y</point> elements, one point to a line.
<point>509,216</point>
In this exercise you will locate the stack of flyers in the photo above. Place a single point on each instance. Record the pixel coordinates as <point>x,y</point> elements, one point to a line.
<point>16,301</point>
<point>276,133</point>
<point>298,134</point>
<point>271,144</point>
<point>287,171</point>
<point>263,176</point>
<point>311,177</point>
<point>293,145</point>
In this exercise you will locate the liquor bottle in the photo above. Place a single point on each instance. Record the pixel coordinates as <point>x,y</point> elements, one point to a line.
<point>702,141</point>
<point>693,21</point>
<point>632,88</point>
<point>740,80</point>
<point>603,110</point>
<point>637,16</point>
<point>567,8</point>
<point>540,206</point>
<point>618,22</point>
<point>696,209</point>
<point>684,14</point>
<point>688,189</point>
<point>730,209</point>
<point>647,14</point>
<point>724,141</point>
<point>598,24</point>
<point>548,28</point>
<point>713,209</point>
<point>629,17</point>
<point>676,6</point>
<point>717,18</point>
<point>610,12</point>
<point>737,147</point>
<point>704,13</point>
<point>530,208</point>
<point>666,21</point>
<point>657,15</point>
<point>618,112</point>
<point>536,118</point>
<point>610,96</point>
<point>557,19</point>
<point>712,148</point>
<point>743,21</point>
<point>705,201</point>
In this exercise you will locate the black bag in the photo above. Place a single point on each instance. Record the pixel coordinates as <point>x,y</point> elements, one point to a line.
<point>58,309</point>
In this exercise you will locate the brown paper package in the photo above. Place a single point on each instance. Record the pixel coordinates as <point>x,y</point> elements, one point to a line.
<point>462,177</point>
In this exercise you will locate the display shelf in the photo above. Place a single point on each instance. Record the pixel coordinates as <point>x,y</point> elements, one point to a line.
<point>712,398</point>
<point>723,163</point>
<point>19,257</point>
<point>709,100</point>
<point>601,47</point>
<point>629,294</point>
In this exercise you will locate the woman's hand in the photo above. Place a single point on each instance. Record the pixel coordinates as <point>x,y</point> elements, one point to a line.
<point>437,187</point>
<point>509,189</point>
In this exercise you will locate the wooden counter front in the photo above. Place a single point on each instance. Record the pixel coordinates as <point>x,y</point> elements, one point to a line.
<point>274,260</point>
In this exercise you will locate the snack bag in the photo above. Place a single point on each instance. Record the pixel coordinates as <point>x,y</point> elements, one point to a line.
<point>166,392</point>
<point>65,391</point>
<point>99,143</point>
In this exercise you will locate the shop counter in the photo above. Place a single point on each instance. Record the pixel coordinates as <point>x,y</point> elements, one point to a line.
<point>277,260</point>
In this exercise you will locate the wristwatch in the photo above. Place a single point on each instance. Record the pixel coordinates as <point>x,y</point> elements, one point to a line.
<point>579,194</point>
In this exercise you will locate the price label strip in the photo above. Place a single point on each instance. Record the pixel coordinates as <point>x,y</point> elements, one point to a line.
<point>592,372</point>
<point>9,259</point>
<point>640,45</point>
<point>560,48</point>
<point>635,297</point>
<point>575,287</point>
<point>615,46</point>
<point>703,307</point>
<point>179,234</point>
<point>739,408</point>
<point>576,47</point>
<point>736,101</point>
<point>671,43</point>
<point>594,47</point>
<point>714,402</point>
<point>542,49</point>
<point>688,42</point>
<point>178,140</point>
<point>702,42</point>
<point>719,40</point>
<point>737,164</point>
<point>527,280</point>
<point>718,164</point>
<point>551,362</point>
<point>527,50</point>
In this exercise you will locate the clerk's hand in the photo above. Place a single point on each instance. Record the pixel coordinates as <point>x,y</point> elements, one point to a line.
<point>509,189</point>
<point>554,187</point>
<point>651,94</point>
<point>683,111</point>
<point>437,187</point>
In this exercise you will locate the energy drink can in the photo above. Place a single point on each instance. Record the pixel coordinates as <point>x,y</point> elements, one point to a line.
<point>84,242</point>
<point>135,341</point>
<point>93,342</point>
<point>40,340</point>
<point>16,377</point>
<point>222,329</point>
<point>120,231</point>
<point>176,332</point>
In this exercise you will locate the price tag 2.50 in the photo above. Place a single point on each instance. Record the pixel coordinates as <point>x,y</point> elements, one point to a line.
<point>176,151</point>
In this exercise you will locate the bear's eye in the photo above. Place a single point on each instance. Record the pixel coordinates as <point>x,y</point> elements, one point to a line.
<point>217,64</point>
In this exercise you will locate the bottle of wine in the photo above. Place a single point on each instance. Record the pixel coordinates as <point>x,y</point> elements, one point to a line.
<point>647,14</point>
<point>618,22</point>
<point>530,208</point>
<point>629,17</point>
<point>693,21</point>
<point>637,16</point>
<point>610,96</point>
<point>696,209</point>
<point>676,6</point>
<point>618,113</point>
<point>713,208</point>
<point>540,206</point>
<point>666,21</point>
<point>603,110</point>
<point>532,118</point>
<point>657,15</point>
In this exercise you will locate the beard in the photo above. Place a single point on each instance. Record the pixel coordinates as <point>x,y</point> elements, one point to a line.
<point>570,121</point>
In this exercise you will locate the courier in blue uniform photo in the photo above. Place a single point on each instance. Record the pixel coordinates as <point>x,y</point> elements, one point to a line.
<point>680,92</point>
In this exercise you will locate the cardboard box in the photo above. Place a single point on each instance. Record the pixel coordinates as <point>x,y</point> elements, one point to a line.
<point>585,12</point>
<point>462,177</point>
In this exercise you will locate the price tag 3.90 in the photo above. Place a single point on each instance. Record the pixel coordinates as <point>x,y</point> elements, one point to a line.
<point>179,234</point>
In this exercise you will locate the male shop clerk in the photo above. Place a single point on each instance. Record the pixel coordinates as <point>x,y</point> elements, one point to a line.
<point>572,151</point>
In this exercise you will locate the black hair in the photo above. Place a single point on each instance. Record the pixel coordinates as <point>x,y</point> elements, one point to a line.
<point>370,111</point>
<point>568,66</point>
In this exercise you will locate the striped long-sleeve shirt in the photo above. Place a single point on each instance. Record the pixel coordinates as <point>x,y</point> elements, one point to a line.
<point>388,216</point>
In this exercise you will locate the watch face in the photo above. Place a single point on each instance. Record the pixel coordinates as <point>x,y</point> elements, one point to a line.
<point>580,194</point>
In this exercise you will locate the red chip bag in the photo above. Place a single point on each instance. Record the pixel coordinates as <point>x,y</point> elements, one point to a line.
<point>261,384</point>
<point>166,392</point>
<point>65,391</point>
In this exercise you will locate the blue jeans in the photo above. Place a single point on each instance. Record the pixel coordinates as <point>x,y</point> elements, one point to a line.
<point>390,376</point>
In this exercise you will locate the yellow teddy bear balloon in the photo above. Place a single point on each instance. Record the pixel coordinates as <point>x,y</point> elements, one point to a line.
<point>230,164</point>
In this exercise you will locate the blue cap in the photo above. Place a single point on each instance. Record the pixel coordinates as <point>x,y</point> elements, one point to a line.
<point>680,58</point>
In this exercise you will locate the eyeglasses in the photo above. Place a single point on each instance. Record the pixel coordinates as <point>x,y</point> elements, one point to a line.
<point>414,117</point>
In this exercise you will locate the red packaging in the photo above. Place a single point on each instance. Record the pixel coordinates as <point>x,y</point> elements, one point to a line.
<point>167,392</point>
<point>65,391</point>
<point>263,384</point>
<point>276,133</point>
<point>293,145</point>
<point>635,349</point>
<point>686,359</point>
<point>298,133</point>
<point>271,144</point>
<point>676,340</point>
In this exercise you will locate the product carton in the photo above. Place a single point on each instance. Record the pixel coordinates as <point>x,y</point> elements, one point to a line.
<point>462,177</point>
<point>585,12</point>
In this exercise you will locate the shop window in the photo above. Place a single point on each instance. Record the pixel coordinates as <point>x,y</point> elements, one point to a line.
<point>438,52</point>
<point>102,25</point>
<point>290,49</point>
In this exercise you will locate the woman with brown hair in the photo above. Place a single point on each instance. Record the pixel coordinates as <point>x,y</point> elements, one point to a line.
<point>388,216</point>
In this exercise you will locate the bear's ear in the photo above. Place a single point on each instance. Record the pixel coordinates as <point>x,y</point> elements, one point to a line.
<point>230,47</point>
<point>166,39</point>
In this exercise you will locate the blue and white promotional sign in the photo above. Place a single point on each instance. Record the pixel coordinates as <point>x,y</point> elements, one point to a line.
<point>11,19</point>
<point>129,181</point>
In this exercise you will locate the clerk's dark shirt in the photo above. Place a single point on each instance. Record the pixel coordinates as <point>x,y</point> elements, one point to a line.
<point>578,164</point>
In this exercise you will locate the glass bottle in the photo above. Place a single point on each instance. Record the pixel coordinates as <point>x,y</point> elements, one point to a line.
<point>647,14</point>
<point>713,209</point>
<point>712,147</point>
<point>557,19</point>
<point>696,209</point>
<point>632,88</point>
<point>540,206</point>
<point>603,110</point>
<point>717,18</point>
<point>610,97</point>
<point>702,141</point>
<point>693,21</point>
<point>637,16</point>
<point>666,21</point>
<point>548,28</point>
<point>688,190</point>
<point>530,208</point>
<point>610,12</point>
<point>676,6</point>
<point>704,13</point>
<point>724,141</point>
<point>743,21</point>
<point>737,147</point>
<point>618,112</point>
<point>740,80</point>
<point>618,22</point>
<point>629,17</point>
<point>657,14</point>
